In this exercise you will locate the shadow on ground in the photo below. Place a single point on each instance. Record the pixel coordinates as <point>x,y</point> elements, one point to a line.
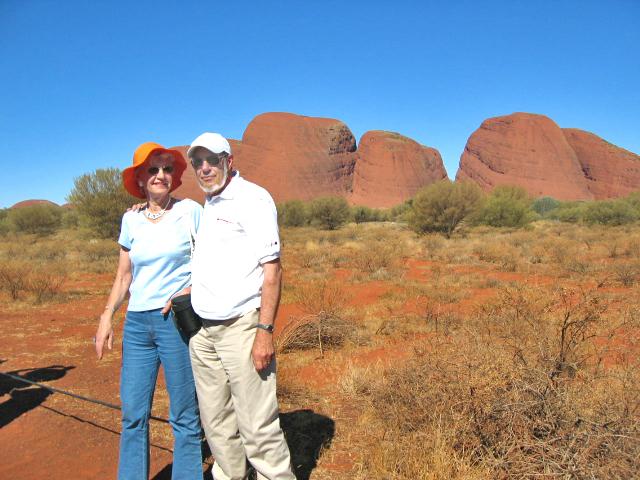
<point>24,396</point>
<point>307,434</point>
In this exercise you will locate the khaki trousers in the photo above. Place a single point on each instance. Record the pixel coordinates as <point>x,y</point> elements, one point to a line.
<point>238,405</point>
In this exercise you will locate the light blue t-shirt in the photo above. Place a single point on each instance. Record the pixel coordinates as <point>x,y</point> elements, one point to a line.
<point>160,254</point>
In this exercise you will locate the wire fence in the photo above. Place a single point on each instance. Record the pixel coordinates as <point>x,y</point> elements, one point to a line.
<point>74,395</point>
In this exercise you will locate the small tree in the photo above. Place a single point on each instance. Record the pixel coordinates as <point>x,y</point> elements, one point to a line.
<point>544,205</point>
<point>610,212</point>
<point>101,200</point>
<point>441,206</point>
<point>293,214</point>
<point>4,223</point>
<point>362,214</point>
<point>507,206</point>
<point>41,219</point>
<point>329,213</point>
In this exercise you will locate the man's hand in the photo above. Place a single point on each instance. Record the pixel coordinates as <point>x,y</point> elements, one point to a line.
<point>262,353</point>
<point>104,334</point>
<point>137,207</point>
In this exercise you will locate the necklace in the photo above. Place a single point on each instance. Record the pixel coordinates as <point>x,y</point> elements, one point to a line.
<point>154,216</point>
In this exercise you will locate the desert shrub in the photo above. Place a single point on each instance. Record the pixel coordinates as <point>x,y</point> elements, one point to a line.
<point>441,206</point>
<point>70,218</point>
<point>633,199</point>
<point>378,256</point>
<point>544,205</point>
<point>101,200</point>
<point>516,394</point>
<point>627,273</point>
<point>40,219</point>
<point>4,223</point>
<point>323,324</point>
<point>570,212</point>
<point>400,213</point>
<point>329,213</point>
<point>46,283</point>
<point>293,213</point>
<point>610,212</point>
<point>362,214</point>
<point>13,277</point>
<point>506,206</point>
<point>100,249</point>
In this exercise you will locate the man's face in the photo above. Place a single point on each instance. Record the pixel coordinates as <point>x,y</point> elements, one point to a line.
<point>211,169</point>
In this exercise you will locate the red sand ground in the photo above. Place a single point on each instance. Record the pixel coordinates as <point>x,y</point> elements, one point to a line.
<point>60,437</point>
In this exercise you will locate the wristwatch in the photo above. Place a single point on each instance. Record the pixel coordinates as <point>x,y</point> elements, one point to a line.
<point>268,328</point>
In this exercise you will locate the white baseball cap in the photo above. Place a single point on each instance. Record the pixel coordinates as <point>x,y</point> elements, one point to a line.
<point>214,142</point>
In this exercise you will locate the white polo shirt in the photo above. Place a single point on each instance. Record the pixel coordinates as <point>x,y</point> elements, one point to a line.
<point>238,232</point>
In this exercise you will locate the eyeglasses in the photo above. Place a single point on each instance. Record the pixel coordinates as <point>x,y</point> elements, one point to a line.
<point>165,169</point>
<point>212,160</point>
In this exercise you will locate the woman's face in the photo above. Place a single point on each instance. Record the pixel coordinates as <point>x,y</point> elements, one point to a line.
<point>156,175</point>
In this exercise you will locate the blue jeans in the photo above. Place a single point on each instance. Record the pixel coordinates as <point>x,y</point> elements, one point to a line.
<point>150,339</point>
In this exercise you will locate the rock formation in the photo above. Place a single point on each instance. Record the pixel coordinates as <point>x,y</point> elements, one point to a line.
<point>526,150</point>
<point>533,152</point>
<point>609,171</point>
<point>298,157</point>
<point>391,168</point>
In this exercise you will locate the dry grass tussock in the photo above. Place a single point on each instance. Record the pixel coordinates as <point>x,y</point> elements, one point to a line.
<point>325,322</point>
<point>518,392</point>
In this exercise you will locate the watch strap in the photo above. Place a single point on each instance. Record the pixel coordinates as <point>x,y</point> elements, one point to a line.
<point>268,328</point>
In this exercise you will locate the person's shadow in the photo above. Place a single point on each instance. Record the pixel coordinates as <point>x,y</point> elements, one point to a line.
<point>307,434</point>
<point>24,396</point>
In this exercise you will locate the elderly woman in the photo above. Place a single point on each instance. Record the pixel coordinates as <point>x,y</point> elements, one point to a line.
<point>154,266</point>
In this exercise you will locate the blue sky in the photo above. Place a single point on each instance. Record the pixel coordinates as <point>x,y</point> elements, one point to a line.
<point>83,83</point>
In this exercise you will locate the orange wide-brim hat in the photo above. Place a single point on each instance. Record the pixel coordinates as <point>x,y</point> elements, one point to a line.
<point>140,156</point>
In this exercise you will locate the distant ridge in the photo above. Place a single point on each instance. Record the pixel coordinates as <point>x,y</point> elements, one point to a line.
<point>299,157</point>
<point>28,203</point>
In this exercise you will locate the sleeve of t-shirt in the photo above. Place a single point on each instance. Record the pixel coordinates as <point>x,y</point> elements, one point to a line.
<point>125,234</point>
<point>260,222</point>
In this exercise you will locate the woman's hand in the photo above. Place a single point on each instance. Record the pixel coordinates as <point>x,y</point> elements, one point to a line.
<point>104,334</point>
<point>167,306</point>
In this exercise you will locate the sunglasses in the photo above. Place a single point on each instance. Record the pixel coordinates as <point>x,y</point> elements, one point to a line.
<point>212,160</point>
<point>155,170</point>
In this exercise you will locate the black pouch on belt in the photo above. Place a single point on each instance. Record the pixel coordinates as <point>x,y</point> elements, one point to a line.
<point>186,319</point>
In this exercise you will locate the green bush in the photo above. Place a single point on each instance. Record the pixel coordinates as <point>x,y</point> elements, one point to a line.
<point>293,213</point>
<point>633,199</point>
<point>101,201</point>
<point>4,222</point>
<point>41,219</point>
<point>441,206</point>
<point>70,218</point>
<point>610,212</point>
<point>507,206</point>
<point>400,213</point>
<point>544,205</point>
<point>570,212</point>
<point>362,214</point>
<point>329,213</point>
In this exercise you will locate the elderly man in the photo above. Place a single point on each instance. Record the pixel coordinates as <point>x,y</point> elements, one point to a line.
<point>236,290</point>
